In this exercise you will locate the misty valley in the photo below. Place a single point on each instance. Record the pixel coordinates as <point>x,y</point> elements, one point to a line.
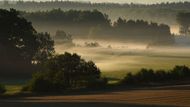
<point>71,52</point>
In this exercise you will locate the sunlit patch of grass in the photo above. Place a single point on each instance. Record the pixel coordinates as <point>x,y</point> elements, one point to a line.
<point>13,89</point>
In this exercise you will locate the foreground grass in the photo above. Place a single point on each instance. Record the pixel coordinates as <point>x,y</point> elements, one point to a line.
<point>13,89</point>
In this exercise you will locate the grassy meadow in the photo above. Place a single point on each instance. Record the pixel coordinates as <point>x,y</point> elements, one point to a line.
<point>121,58</point>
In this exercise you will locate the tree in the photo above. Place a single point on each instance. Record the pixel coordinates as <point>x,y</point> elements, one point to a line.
<point>19,41</point>
<point>184,21</point>
<point>76,70</point>
<point>66,71</point>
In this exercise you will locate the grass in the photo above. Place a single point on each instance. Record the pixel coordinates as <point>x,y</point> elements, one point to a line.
<point>13,89</point>
<point>155,63</point>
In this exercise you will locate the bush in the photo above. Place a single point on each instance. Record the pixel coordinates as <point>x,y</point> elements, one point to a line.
<point>2,89</point>
<point>147,77</point>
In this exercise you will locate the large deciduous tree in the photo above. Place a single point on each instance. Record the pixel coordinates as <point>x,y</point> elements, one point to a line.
<point>66,71</point>
<point>20,44</point>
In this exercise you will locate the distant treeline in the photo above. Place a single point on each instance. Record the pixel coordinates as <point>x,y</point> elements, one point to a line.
<point>29,5</point>
<point>160,13</point>
<point>94,24</point>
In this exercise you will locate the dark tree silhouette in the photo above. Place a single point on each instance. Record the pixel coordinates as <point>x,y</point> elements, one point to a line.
<point>20,44</point>
<point>179,74</point>
<point>66,71</point>
<point>74,68</point>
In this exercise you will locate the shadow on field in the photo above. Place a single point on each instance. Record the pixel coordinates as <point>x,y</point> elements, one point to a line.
<point>72,104</point>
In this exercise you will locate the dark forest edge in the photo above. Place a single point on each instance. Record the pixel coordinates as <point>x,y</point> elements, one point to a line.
<point>160,12</point>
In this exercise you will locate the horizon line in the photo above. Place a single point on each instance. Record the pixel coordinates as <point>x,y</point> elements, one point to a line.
<point>100,2</point>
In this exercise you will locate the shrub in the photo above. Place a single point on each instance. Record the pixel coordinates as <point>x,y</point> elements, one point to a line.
<point>147,77</point>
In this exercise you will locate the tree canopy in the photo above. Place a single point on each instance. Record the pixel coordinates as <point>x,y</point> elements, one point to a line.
<point>66,71</point>
<point>20,44</point>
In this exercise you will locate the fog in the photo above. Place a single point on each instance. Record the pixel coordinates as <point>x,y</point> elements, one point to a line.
<point>122,56</point>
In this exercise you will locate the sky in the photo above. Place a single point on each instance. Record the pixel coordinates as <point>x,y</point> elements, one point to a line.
<point>120,1</point>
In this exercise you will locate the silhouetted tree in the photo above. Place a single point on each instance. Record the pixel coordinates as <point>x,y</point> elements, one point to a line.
<point>20,43</point>
<point>66,71</point>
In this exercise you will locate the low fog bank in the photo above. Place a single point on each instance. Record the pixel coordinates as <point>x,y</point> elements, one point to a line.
<point>124,56</point>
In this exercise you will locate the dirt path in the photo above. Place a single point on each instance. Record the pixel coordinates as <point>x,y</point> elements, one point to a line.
<point>161,96</point>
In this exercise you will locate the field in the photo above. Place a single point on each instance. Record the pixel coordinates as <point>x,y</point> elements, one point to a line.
<point>168,96</point>
<point>114,62</point>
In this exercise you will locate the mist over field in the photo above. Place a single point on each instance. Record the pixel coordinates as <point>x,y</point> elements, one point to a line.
<point>130,57</point>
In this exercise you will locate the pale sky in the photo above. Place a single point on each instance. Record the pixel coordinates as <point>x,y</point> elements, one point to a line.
<point>119,1</point>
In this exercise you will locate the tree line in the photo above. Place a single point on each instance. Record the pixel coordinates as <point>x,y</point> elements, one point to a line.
<point>95,24</point>
<point>29,5</point>
<point>159,12</point>
<point>177,75</point>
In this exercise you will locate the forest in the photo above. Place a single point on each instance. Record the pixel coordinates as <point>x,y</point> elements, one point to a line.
<point>96,25</point>
<point>158,12</point>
